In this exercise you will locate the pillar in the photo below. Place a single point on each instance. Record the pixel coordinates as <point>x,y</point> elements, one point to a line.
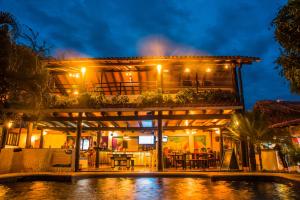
<point>77,143</point>
<point>42,139</point>
<point>3,137</point>
<point>159,143</point>
<point>191,143</point>
<point>244,149</point>
<point>99,133</point>
<point>29,134</point>
<point>221,145</point>
<point>241,91</point>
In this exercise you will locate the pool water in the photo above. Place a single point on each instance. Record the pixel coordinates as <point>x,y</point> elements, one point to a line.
<point>148,188</point>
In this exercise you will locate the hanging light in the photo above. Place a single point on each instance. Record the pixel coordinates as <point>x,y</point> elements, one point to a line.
<point>83,70</point>
<point>187,70</point>
<point>158,68</point>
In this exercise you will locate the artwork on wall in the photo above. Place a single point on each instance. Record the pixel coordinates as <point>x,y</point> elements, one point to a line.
<point>177,143</point>
<point>199,142</point>
<point>117,143</point>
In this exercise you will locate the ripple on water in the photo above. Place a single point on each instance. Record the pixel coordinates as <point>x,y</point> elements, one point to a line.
<point>148,188</point>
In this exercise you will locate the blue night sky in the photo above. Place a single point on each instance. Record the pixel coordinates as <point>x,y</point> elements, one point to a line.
<point>111,28</point>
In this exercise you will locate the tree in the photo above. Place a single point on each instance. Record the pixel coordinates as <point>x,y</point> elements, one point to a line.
<point>253,127</point>
<point>8,32</point>
<point>287,34</point>
<point>24,80</point>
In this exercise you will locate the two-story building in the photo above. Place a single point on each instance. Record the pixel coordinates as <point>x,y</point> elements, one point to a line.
<point>156,109</point>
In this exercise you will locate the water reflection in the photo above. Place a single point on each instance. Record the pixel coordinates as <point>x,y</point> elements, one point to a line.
<point>148,188</point>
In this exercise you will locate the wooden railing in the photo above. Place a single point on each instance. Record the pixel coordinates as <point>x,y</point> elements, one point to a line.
<point>134,88</point>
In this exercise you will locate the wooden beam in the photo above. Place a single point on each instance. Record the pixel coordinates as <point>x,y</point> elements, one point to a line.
<point>133,128</point>
<point>114,80</point>
<point>127,109</point>
<point>106,83</point>
<point>122,80</point>
<point>139,80</point>
<point>136,118</point>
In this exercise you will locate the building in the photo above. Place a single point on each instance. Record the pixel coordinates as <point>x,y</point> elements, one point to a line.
<point>153,108</point>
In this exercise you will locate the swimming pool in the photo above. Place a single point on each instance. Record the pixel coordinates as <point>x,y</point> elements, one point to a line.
<point>148,188</point>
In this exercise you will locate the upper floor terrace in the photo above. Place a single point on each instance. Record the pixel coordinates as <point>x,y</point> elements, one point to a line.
<point>171,80</point>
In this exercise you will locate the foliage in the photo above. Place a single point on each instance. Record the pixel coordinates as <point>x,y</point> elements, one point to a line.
<point>58,101</point>
<point>23,79</point>
<point>150,99</point>
<point>210,96</point>
<point>145,99</point>
<point>287,33</point>
<point>250,125</point>
<point>119,100</point>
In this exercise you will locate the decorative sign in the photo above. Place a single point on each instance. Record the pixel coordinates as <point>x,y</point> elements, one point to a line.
<point>229,161</point>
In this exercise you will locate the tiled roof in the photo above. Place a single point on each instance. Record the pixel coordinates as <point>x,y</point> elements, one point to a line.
<point>280,112</point>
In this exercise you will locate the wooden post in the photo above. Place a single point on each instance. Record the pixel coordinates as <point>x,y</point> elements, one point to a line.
<point>99,134</point>
<point>235,83</point>
<point>244,149</point>
<point>241,86</point>
<point>221,145</point>
<point>3,138</point>
<point>78,137</point>
<point>159,143</point>
<point>42,139</point>
<point>29,134</point>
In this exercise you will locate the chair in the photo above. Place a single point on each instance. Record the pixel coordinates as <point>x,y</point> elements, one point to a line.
<point>180,160</point>
<point>203,160</point>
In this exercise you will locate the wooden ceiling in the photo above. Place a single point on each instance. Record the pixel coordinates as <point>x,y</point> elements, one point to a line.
<point>134,75</point>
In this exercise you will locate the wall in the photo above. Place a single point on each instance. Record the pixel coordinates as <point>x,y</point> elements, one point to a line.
<point>34,160</point>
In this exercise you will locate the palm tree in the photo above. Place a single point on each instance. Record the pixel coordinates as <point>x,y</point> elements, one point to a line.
<point>251,126</point>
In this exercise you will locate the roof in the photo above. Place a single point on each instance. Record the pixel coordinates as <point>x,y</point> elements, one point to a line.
<point>147,59</point>
<point>280,113</point>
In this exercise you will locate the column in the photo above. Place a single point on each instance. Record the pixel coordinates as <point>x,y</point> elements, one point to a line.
<point>78,137</point>
<point>29,134</point>
<point>159,142</point>
<point>42,139</point>
<point>244,149</point>
<point>221,145</point>
<point>3,137</point>
<point>99,133</point>
<point>241,86</point>
<point>191,143</point>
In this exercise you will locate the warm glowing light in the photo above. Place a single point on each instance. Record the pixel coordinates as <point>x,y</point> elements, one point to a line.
<point>33,138</point>
<point>70,74</point>
<point>77,75</point>
<point>158,68</point>
<point>83,70</point>
<point>186,122</point>
<point>217,131</point>
<point>208,70</point>
<point>187,70</point>
<point>9,124</point>
<point>44,132</point>
<point>226,66</point>
<point>166,70</point>
<point>76,92</point>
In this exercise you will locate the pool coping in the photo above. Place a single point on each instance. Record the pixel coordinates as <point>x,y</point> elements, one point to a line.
<point>213,176</point>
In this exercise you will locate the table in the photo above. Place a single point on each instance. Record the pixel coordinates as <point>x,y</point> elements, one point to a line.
<point>122,160</point>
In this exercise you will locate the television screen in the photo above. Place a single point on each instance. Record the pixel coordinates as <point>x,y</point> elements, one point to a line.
<point>146,139</point>
<point>165,139</point>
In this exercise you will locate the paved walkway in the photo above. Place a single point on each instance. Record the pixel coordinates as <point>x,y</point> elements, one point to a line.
<point>214,176</point>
